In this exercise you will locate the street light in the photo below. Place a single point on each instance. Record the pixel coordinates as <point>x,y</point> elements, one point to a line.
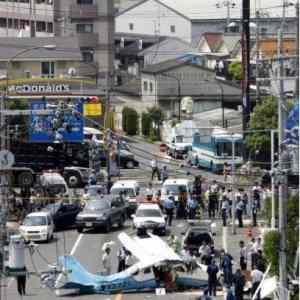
<point>23,51</point>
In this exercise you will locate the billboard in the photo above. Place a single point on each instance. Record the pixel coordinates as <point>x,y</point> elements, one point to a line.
<point>41,126</point>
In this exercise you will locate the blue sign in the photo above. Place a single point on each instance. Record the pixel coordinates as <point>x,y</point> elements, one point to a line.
<point>292,128</point>
<point>42,129</point>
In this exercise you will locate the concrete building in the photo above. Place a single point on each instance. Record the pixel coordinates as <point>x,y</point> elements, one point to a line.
<point>92,21</point>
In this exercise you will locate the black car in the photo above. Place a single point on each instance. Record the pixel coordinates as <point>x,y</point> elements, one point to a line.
<point>195,236</point>
<point>102,213</point>
<point>63,214</point>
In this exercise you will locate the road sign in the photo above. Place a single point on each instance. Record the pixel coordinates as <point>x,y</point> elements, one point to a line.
<point>7,159</point>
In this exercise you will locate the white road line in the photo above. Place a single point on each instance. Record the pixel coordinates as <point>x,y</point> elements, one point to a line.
<point>224,238</point>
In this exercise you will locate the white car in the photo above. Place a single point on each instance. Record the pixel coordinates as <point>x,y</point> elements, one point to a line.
<point>37,226</point>
<point>150,216</point>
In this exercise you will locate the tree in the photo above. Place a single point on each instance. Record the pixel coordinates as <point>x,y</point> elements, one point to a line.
<point>130,120</point>
<point>235,70</point>
<point>264,116</point>
<point>272,239</point>
<point>156,116</point>
<point>146,124</point>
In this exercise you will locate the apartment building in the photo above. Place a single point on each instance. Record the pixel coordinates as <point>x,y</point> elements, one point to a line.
<point>91,21</point>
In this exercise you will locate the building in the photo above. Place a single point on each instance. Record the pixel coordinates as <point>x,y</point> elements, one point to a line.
<point>166,83</point>
<point>190,19</point>
<point>92,21</point>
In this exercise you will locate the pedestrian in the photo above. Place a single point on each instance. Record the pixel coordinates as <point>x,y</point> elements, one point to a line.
<point>245,200</point>
<point>128,259</point>
<point>92,178</point>
<point>256,277</point>
<point>198,187</point>
<point>230,201</point>
<point>174,243</point>
<point>21,284</point>
<point>243,256</point>
<point>254,212</point>
<point>261,262</point>
<point>212,203</point>
<point>239,282</point>
<point>257,190</point>
<point>122,259</point>
<point>239,210</point>
<point>226,265</point>
<point>169,205</point>
<point>106,261</point>
<point>252,252</point>
<point>182,204</point>
<point>224,210</point>
<point>164,174</point>
<point>192,205</point>
<point>204,252</point>
<point>155,170</point>
<point>226,171</point>
<point>212,271</point>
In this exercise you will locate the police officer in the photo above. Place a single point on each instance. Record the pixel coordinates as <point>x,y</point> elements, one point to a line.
<point>169,206</point>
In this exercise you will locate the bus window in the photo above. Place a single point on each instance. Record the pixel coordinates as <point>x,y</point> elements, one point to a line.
<point>225,149</point>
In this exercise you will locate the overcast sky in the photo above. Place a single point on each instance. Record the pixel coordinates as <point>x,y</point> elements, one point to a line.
<point>207,8</point>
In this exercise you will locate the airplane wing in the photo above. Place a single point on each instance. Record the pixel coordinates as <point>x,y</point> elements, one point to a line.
<point>149,251</point>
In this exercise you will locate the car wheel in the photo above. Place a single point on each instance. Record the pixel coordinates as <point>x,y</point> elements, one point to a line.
<point>79,229</point>
<point>121,221</point>
<point>129,164</point>
<point>73,180</point>
<point>108,226</point>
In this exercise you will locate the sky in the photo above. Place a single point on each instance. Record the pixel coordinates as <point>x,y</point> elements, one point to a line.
<point>207,8</point>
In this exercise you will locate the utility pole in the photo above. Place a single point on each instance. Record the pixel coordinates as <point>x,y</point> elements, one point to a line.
<point>257,66</point>
<point>246,64</point>
<point>283,188</point>
<point>233,183</point>
<point>273,225</point>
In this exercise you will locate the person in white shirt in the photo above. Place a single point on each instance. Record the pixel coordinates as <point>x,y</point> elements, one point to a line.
<point>106,261</point>
<point>257,277</point>
<point>204,252</point>
<point>243,256</point>
<point>155,170</point>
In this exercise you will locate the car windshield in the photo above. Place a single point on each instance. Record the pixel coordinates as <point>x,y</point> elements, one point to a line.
<point>197,238</point>
<point>127,192</point>
<point>174,188</point>
<point>35,221</point>
<point>148,213</point>
<point>53,207</point>
<point>98,205</point>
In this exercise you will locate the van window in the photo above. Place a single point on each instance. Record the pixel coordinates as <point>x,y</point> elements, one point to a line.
<point>128,192</point>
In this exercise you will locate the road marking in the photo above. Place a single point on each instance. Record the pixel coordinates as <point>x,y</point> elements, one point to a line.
<point>119,297</point>
<point>224,238</point>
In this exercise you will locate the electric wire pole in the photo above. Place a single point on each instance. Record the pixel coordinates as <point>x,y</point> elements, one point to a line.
<point>283,185</point>
<point>257,66</point>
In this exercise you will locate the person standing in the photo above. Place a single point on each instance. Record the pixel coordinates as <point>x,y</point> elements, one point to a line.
<point>212,203</point>
<point>192,205</point>
<point>164,174</point>
<point>212,271</point>
<point>256,277</point>
<point>21,285</point>
<point>122,259</point>
<point>204,252</point>
<point>257,190</point>
<point>239,210</point>
<point>106,261</point>
<point>226,265</point>
<point>243,256</point>
<point>205,296</point>
<point>154,167</point>
<point>239,283</point>
<point>254,212</point>
<point>169,206</point>
<point>224,210</point>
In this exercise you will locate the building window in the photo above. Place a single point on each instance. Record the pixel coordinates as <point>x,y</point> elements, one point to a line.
<point>172,28</point>
<point>2,22</point>
<point>87,55</point>
<point>80,2</point>
<point>145,86</point>
<point>47,69</point>
<point>151,87</point>
<point>131,26</point>
<point>50,27</point>
<point>41,26</point>
<point>85,28</point>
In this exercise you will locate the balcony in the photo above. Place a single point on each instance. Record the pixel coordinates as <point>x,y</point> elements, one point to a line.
<point>86,11</point>
<point>88,39</point>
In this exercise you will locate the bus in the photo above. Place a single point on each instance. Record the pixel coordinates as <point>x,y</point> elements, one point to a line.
<point>212,149</point>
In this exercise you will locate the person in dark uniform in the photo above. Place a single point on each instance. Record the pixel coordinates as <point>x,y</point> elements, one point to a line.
<point>21,284</point>
<point>212,271</point>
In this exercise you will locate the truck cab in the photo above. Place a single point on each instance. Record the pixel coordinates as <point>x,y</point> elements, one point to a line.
<point>178,147</point>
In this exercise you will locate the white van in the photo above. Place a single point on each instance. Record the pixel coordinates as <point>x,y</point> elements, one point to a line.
<point>53,184</point>
<point>130,190</point>
<point>174,186</point>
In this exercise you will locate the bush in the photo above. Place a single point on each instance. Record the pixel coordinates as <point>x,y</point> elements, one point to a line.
<point>146,124</point>
<point>271,250</point>
<point>130,120</point>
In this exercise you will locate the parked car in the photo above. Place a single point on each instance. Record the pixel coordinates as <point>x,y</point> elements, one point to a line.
<point>150,216</point>
<point>63,214</point>
<point>103,213</point>
<point>195,236</point>
<point>130,190</point>
<point>37,226</point>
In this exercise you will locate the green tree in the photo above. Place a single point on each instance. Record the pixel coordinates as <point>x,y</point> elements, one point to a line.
<point>130,120</point>
<point>146,124</point>
<point>235,70</point>
<point>156,116</point>
<point>264,116</point>
<point>272,239</point>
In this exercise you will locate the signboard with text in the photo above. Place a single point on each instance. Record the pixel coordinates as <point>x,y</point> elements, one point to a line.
<point>41,126</point>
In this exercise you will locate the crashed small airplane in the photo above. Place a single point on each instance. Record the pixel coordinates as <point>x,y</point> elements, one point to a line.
<point>151,252</point>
